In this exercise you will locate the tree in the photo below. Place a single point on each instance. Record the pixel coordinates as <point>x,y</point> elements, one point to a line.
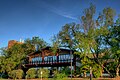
<point>13,57</point>
<point>65,37</point>
<point>88,39</point>
<point>35,43</point>
<point>113,40</point>
<point>92,40</point>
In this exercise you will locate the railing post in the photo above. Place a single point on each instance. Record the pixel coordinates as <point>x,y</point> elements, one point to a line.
<point>71,62</point>
<point>90,73</point>
<point>41,75</point>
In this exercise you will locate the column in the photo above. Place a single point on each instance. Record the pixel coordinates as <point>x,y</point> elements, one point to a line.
<point>74,62</point>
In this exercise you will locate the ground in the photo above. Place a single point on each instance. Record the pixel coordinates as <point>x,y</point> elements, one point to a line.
<point>118,78</point>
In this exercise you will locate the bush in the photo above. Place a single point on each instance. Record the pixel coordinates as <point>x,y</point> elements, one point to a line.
<point>67,71</point>
<point>3,75</point>
<point>12,74</point>
<point>97,71</point>
<point>19,74</point>
<point>45,73</point>
<point>96,74</point>
<point>60,76</point>
<point>31,73</point>
<point>16,74</point>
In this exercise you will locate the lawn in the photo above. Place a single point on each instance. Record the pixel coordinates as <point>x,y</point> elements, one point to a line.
<point>72,79</point>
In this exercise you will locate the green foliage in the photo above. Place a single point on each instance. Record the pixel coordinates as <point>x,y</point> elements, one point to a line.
<point>19,74</point>
<point>87,18</point>
<point>45,73</point>
<point>89,39</point>
<point>65,38</point>
<point>96,71</point>
<point>108,13</point>
<point>97,74</point>
<point>60,76</point>
<point>66,70</point>
<point>16,74</point>
<point>12,57</point>
<point>31,73</point>
<point>12,74</point>
<point>113,40</point>
<point>35,42</point>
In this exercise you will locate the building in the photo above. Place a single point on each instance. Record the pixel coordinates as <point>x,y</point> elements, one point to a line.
<point>12,42</point>
<point>46,58</point>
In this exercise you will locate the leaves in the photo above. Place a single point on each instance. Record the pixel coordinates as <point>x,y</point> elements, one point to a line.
<point>14,56</point>
<point>96,41</point>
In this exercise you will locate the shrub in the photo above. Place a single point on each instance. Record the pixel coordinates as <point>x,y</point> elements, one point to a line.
<point>16,74</point>
<point>31,73</point>
<point>12,74</point>
<point>19,74</point>
<point>3,75</point>
<point>96,74</point>
<point>96,71</point>
<point>60,76</point>
<point>45,73</point>
<point>67,71</point>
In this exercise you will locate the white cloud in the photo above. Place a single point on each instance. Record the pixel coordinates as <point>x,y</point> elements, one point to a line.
<point>58,11</point>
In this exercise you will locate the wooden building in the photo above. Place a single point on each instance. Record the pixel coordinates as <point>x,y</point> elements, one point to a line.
<point>46,58</point>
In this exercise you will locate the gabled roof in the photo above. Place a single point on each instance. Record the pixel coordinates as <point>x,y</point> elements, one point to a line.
<point>47,48</point>
<point>33,53</point>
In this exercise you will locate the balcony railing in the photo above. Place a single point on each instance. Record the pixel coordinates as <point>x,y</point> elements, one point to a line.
<point>49,61</point>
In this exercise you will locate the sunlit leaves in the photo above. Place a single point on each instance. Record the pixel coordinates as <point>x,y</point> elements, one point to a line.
<point>109,14</point>
<point>14,56</point>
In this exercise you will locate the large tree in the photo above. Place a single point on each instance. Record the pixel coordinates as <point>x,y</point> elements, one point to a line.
<point>89,38</point>
<point>113,40</point>
<point>12,57</point>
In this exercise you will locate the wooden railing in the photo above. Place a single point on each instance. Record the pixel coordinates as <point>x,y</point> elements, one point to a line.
<point>50,62</point>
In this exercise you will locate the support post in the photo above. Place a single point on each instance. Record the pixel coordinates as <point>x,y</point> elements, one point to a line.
<point>71,62</point>
<point>57,57</point>
<point>90,73</point>
<point>42,57</point>
<point>74,61</point>
<point>41,75</point>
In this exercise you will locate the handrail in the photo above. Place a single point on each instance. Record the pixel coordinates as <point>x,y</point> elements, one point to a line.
<point>50,62</point>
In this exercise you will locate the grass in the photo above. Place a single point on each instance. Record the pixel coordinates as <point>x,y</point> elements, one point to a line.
<point>68,79</point>
<point>117,78</point>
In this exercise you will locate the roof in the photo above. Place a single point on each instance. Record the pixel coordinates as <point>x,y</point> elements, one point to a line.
<point>36,52</point>
<point>47,48</point>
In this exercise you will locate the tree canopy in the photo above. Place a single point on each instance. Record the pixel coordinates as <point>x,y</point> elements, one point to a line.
<point>96,41</point>
<point>14,56</point>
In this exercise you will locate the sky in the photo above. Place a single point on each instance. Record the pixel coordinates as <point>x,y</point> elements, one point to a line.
<point>22,19</point>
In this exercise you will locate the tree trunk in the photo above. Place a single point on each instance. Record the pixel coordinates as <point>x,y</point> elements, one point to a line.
<point>85,74</point>
<point>101,72</point>
<point>108,71</point>
<point>117,70</point>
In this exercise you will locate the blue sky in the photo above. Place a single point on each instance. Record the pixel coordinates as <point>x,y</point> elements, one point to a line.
<point>44,18</point>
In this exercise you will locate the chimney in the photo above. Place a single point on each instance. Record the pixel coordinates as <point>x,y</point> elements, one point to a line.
<point>11,43</point>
